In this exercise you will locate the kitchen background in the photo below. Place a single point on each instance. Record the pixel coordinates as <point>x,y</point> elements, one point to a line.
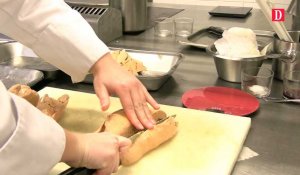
<point>248,3</point>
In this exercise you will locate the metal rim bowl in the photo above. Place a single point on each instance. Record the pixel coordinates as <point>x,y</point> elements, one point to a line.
<point>230,69</point>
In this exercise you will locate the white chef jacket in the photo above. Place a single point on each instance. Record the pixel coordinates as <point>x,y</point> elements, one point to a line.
<point>30,142</point>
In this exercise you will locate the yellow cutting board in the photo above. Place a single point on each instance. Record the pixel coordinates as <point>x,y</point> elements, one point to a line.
<point>206,144</point>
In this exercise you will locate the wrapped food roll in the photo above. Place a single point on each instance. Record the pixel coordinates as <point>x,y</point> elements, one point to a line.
<point>25,92</point>
<point>149,140</point>
<point>52,107</point>
<point>117,123</point>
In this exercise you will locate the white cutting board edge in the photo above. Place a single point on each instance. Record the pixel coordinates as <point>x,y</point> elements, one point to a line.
<point>213,153</point>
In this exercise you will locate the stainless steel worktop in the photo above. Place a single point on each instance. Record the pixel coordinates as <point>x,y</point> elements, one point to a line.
<point>275,130</point>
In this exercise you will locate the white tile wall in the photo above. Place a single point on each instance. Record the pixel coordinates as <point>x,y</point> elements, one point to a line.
<point>248,3</point>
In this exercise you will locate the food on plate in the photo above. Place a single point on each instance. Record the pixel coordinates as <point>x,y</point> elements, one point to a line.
<point>52,107</point>
<point>126,61</point>
<point>238,42</point>
<point>118,123</point>
<point>145,141</point>
<point>149,140</point>
<point>25,92</point>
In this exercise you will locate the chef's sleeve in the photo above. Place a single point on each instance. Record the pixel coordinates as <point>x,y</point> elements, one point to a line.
<point>30,142</point>
<point>55,32</point>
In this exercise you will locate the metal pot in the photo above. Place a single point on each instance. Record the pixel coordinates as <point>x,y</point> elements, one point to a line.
<point>134,14</point>
<point>230,69</point>
<point>289,52</point>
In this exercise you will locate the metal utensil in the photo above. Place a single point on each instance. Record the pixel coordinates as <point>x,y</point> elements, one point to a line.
<point>78,171</point>
<point>215,110</point>
<point>86,171</point>
<point>280,100</point>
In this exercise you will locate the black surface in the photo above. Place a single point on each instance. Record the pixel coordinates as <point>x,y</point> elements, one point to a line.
<point>227,11</point>
<point>78,171</point>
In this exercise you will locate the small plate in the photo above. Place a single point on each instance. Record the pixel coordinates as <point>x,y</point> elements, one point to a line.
<point>221,99</point>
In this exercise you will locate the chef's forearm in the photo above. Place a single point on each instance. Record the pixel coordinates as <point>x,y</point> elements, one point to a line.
<point>101,62</point>
<point>73,152</point>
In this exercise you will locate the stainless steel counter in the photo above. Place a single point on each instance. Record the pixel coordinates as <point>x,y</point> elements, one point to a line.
<point>275,130</point>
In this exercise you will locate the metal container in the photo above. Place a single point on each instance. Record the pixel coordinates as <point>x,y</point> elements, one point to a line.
<point>134,14</point>
<point>230,69</point>
<point>100,18</point>
<point>10,76</point>
<point>160,67</point>
<point>289,55</point>
<point>15,54</point>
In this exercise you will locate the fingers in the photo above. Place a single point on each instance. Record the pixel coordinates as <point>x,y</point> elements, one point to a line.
<point>109,170</point>
<point>150,99</point>
<point>116,166</point>
<point>114,161</point>
<point>141,108</point>
<point>133,95</point>
<point>128,106</point>
<point>103,96</point>
<point>123,142</point>
<point>135,106</point>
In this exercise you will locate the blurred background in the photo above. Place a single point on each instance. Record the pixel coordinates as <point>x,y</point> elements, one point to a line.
<point>246,3</point>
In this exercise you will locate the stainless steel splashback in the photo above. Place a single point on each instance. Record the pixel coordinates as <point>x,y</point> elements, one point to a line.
<point>106,21</point>
<point>134,13</point>
<point>294,10</point>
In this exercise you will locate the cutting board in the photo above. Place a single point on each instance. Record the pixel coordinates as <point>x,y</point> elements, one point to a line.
<point>206,143</point>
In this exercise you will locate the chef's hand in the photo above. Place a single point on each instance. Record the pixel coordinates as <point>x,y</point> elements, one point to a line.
<point>99,151</point>
<point>111,78</point>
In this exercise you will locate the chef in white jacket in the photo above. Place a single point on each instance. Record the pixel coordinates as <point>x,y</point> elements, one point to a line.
<point>31,143</point>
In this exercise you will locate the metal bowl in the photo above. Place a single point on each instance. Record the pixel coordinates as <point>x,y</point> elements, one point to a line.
<point>230,69</point>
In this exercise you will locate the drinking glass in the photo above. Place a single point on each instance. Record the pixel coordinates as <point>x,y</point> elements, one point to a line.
<point>164,27</point>
<point>257,81</point>
<point>184,26</point>
<point>291,84</point>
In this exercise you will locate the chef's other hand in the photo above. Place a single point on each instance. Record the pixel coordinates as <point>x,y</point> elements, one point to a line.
<point>99,151</point>
<point>111,78</point>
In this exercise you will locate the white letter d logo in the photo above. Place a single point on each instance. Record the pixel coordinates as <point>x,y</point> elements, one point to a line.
<point>277,14</point>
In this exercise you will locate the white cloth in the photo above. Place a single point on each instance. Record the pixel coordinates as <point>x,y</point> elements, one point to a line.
<point>30,142</point>
<point>55,32</point>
